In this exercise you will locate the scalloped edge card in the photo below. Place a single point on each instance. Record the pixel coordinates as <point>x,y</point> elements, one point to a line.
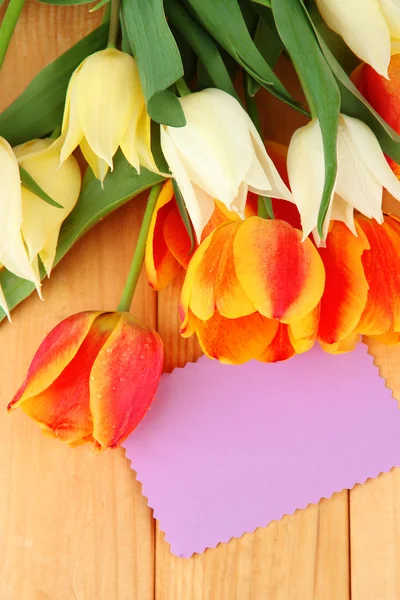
<point>226,449</point>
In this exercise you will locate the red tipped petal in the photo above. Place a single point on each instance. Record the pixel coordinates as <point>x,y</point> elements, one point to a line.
<point>63,407</point>
<point>55,352</point>
<point>123,380</point>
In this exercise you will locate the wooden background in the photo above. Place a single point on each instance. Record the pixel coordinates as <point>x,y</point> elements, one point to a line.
<point>73,524</point>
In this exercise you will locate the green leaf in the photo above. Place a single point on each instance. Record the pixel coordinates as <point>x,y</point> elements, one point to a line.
<point>225,23</point>
<point>263,3</point>
<point>268,43</point>
<point>30,184</point>
<point>184,214</point>
<point>318,83</point>
<point>202,44</point>
<point>94,203</point>
<point>157,57</point>
<point>39,109</point>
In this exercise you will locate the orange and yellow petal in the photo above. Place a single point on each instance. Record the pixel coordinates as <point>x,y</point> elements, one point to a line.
<point>280,348</point>
<point>215,284</point>
<point>235,341</point>
<point>381,266</point>
<point>346,345</point>
<point>176,237</point>
<point>282,276</point>
<point>63,408</point>
<point>161,265</point>
<point>56,351</point>
<point>303,333</point>
<point>123,380</point>
<point>346,287</point>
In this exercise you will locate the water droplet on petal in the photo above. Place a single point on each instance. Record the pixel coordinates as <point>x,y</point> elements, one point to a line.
<point>122,378</point>
<point>110,350</point>
<point>92,378</point>
<point>141,357</point>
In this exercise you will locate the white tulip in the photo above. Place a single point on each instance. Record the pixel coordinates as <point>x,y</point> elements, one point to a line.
<point>362,174</point>
<point>218,155</point>
<point>370,28</point>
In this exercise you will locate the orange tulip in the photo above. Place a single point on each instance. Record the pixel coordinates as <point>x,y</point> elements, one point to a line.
<point>362,290</point>
<point>93,378</point>
<point>168,243</point>
<point>252,290</point>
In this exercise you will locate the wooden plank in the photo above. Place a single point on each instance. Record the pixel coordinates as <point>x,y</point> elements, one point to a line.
<point>73,523</point>
<point>375,513</point>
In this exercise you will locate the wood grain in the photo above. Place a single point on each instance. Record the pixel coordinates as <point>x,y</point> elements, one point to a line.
<point>73,524</point>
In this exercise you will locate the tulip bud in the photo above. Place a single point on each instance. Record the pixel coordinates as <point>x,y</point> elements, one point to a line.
<point>93,378</point>
<point>105,109</point>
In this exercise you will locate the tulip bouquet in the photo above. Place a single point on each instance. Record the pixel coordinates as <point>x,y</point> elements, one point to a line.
<point>282,247</point>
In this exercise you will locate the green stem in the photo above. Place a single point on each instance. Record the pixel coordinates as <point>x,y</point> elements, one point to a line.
<point>114,24</point>
<point>8,25</point>
<point>138,256</point>
<point>265,209</point>
<point>182,87</point>
<point>106,14</point>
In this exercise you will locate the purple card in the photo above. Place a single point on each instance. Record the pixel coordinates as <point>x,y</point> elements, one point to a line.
<point>227,449</point>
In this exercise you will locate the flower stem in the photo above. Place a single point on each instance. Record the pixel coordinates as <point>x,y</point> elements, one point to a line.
<point>8,25</point>
<point>138,256</point>
<point>265,209</point>
<point>182,87</point>
<point>114,24</point>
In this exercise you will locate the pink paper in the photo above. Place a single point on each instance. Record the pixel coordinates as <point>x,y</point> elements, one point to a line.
<point>227,449</point>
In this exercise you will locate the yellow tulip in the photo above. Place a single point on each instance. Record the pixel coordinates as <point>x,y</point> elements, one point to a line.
<point>41,221</point>
<point>104,110</point>
<point>29,227</point>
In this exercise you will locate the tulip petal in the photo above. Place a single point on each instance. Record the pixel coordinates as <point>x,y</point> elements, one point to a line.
<point>199,206</point>
<point>72,132</point>
<point>176,237</point>
<point>346,287</point>
<point>346,345</point>
<point>303,333</point>
<point>280,347</point>
<point>235,341</point>
<point>97,164</point>
<point>381,267</point>
<point>187,287</point>
<point>56,351</point>
<point>361,184</point>
<point>363,27</point>
<point>13,254</point>
<point>41,221</point>
<point>215,154</point>
<point>124,380</point>
<point>306,171</point>
<point>215,284</point>
<point>109,97</point>
<point>161,265</point>
<point>282,277</point>
<point>63,408</point>
<point>271,184</point>
<point>391,11</point>
<point>342,211</point>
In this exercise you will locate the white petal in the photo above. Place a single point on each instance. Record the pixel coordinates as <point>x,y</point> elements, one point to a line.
<point>342,211</point>
<point>215,145</point>
<point>306,170</point>
<point>199,204</point>
<point>98,165</point>
<point>239,204</point>
<point>363,27</point>
<point>369,151</point>
<point>391,11</point>
<point>274,186</point>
